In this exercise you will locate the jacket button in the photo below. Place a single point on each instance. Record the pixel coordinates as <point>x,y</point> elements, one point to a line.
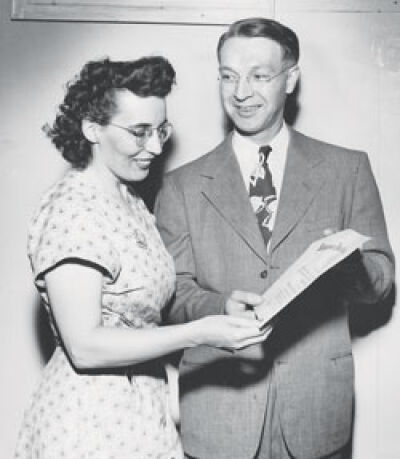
<point>264,274</point>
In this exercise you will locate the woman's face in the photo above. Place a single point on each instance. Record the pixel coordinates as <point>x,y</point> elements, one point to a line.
<point>117,151</point>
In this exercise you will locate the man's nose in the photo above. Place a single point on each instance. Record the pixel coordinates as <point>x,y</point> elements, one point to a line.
<point>243,89</point>
<point>154,145</point>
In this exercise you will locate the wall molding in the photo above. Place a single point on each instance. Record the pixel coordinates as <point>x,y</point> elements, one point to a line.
<point>142,11</point>
<point>186,11</point>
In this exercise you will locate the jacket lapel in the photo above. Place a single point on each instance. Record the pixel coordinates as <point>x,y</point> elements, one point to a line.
<point>224,188</point>
<point>300,184</point>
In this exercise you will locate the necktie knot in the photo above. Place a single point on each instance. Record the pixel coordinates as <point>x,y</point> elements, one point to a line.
<point>263,153</point>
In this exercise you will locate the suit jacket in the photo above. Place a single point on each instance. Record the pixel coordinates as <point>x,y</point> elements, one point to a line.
<point>207,223</point>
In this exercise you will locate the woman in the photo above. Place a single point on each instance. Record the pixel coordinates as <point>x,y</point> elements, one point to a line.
<point>104,276</point>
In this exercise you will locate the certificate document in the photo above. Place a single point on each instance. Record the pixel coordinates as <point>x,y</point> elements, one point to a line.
<point>317,259</point>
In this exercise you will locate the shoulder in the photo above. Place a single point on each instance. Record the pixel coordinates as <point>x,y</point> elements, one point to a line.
<point>70,223</point>
<point>189,173</point>
<point>69,194</point>
<point>64,207</point>
<point>335,155</point>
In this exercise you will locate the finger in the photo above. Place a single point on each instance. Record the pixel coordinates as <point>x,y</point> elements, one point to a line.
<point>250,334</point>
<point>250,342</point>
<point>246,297</point>
<point>245,314</point>
<point>236,309</point>
<point>234,306</point>
<point>261,335</point>
<point>265,325</point>
<point>254,340</point>
<point>231,350</point>
<point>267,331</point>
<point>245,322</point>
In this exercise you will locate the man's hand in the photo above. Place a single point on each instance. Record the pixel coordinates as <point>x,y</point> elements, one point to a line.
<point>351,264</point>
<point>351,275</point>
<point>241,304</point>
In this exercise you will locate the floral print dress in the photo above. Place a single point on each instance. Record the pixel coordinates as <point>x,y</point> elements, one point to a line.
<point>119,413</point>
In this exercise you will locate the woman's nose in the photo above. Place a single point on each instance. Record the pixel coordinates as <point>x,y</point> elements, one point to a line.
<point>153,144</point>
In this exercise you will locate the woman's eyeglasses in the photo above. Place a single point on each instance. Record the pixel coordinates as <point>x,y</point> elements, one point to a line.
<point>143,132</point>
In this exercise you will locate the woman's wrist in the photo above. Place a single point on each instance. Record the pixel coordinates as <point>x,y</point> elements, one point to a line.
<point>195,332</point>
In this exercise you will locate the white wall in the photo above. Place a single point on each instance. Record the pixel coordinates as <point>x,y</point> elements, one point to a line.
<point>347,96</point>
<point>350,95</point>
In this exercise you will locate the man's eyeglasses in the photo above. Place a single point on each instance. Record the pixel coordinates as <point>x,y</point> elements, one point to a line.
<point>143,132</point>
<point>256,78</point>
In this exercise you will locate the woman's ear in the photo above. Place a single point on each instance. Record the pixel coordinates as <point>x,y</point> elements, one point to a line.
<point>90,130</point>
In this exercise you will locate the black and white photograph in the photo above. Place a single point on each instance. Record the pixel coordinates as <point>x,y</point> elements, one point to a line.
<point>200,229</point>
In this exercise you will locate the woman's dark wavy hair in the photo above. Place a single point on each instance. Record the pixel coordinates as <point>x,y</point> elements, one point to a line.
<point>91,95</point>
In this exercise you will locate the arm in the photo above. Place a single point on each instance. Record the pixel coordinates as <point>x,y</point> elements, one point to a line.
<point>191,300</point>
<point>369,274</point>
<point>77,312</point>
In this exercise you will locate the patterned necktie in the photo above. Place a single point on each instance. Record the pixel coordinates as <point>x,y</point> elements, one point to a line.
<point>263,194</point>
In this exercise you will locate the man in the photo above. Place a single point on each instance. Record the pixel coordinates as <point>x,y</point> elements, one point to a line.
<point>231,239</point>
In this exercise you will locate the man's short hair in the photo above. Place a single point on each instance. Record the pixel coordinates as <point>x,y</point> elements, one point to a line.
<point>265,28</point>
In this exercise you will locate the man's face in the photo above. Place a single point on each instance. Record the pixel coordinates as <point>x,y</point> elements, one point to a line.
<point>254,83</point>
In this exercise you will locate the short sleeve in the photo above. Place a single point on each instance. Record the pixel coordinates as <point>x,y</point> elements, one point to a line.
<point>67,230</point>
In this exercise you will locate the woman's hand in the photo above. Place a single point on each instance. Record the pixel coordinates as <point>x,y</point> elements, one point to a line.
<point>228,332</point>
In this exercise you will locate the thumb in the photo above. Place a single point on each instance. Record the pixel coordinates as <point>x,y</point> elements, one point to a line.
<point>250,298</point>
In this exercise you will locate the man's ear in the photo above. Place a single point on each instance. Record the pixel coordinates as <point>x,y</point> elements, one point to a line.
<point>293,76</point>
<point>90,130</point>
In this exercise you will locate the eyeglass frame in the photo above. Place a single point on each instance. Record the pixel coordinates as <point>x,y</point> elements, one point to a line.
<point>267,79</point>
<point>148,133</point>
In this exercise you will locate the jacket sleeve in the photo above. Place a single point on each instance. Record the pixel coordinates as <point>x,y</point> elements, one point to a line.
<point>191,301</point>
<point>372,271</point>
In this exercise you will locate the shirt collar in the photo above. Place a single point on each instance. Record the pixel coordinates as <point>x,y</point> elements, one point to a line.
<point>242,145</point>
<point>246,152</point>
<point>280,142</point>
